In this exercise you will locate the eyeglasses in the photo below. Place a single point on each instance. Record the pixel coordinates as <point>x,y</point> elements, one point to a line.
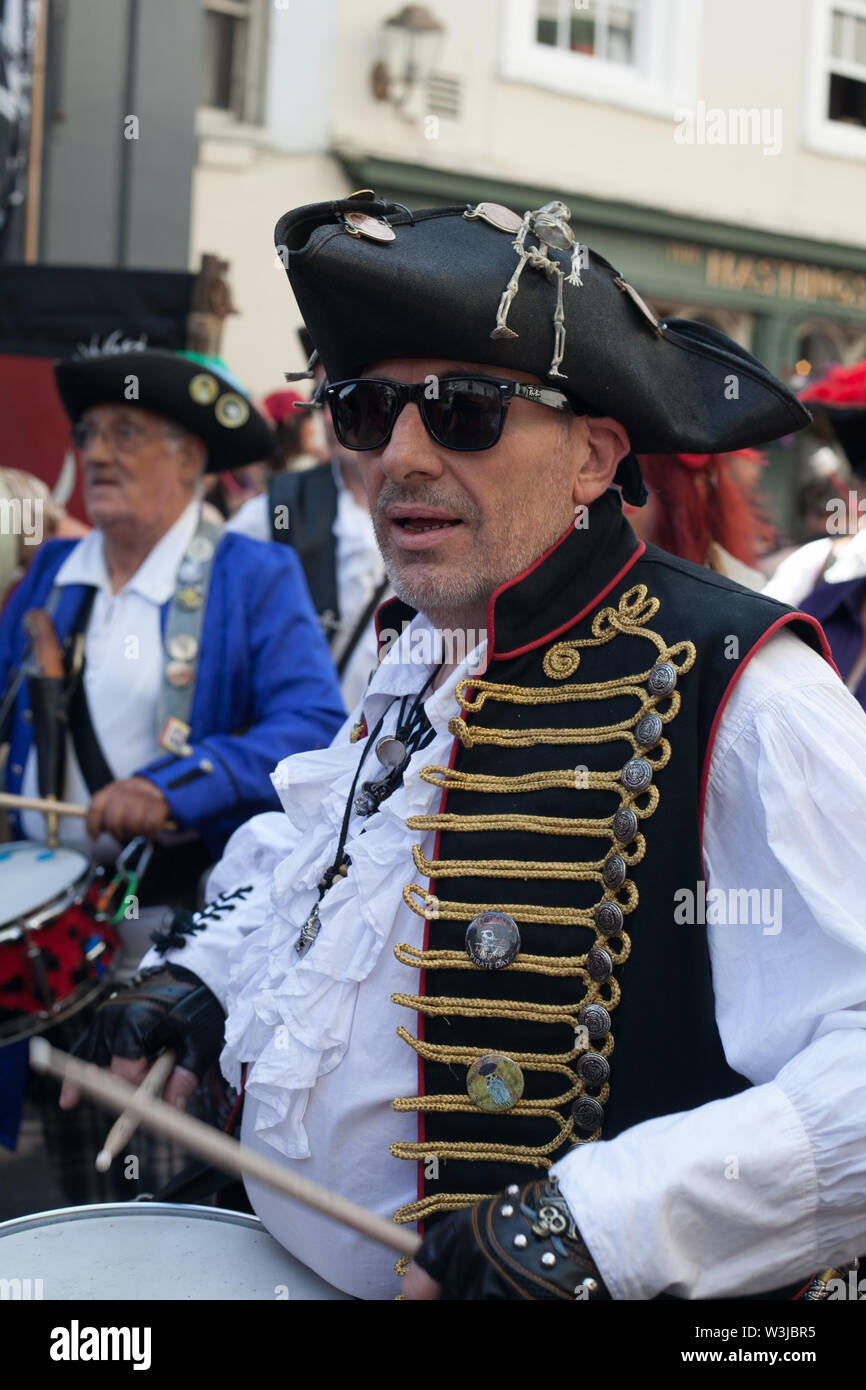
<point>459,412</point>
<point>123,435</point>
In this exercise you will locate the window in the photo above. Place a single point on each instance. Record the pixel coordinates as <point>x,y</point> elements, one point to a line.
<point>835,98</point>
<point>233,58</point>
<point>599,28</point>
<point>636,53</point>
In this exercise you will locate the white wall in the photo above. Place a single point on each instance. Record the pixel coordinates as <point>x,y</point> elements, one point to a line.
<point>724,53</point>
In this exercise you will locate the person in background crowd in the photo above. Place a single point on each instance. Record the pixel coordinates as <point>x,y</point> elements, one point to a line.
<point>31,516</point>
<point>838,402</point>
<point>322,512</point>
<point>703,508</point>
<point>827,577</point>
<point>192,658</point>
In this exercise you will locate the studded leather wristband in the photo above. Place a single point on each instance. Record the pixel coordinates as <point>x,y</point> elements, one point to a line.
<point>522,1244</point>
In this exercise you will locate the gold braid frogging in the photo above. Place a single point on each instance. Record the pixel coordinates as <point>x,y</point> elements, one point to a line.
<point>560,662</point>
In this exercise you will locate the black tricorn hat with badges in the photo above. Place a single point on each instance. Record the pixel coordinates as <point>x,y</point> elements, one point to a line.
<point>195,392</point>
<point>484,284</point>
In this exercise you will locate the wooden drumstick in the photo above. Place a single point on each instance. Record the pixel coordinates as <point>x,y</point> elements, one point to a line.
<point>126,1124</point>
<point>216,1148</point>
<point>45,696</point>
<point>41,803</point>
<point>60,808</point>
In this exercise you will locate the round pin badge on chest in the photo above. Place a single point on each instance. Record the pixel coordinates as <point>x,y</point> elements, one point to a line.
<point>179,673</point>
<point>492,940</point>
<point>183,647</point>
<point>494,1082</point>
<point>200,548</point>
<point>190,597</point>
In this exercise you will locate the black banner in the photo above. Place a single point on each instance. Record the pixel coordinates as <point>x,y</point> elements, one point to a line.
<point>59,311</point>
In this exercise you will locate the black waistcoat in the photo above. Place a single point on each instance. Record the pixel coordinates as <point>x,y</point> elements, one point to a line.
<point>526,826</point>
<point>310,499</point>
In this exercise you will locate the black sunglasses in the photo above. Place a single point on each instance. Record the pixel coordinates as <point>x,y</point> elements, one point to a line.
<point>460,412</point>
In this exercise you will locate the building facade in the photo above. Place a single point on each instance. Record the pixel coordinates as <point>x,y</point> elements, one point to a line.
<point>713,150</point>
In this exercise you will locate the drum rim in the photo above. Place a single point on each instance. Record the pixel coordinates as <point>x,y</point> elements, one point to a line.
<point>34,1220</point>
<point>61,900</point>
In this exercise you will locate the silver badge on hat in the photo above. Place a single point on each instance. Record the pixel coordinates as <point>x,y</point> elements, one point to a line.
<point>549,225</point>
<point>373,228</point>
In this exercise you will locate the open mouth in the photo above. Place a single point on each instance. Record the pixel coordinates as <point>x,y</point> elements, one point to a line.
<point>416,524</point>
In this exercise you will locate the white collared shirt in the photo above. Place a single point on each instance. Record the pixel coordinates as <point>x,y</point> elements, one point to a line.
<point>123,655</point>
<point>742,1195</point>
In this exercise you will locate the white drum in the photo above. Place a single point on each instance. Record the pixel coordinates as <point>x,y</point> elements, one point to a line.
<point>55,946</point>
<point>34,877</point>
<point>144,1251</point>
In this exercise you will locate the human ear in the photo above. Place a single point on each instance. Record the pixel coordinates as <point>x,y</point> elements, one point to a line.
<point>608,443</point>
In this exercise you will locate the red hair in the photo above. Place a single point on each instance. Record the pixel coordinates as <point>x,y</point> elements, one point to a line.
<point>700,501</point>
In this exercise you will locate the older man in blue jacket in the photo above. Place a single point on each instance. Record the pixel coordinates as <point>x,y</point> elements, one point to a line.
<point>193,660</point>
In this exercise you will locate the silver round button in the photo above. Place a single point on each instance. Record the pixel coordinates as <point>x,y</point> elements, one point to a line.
<point>648,730</point>
<point>608,918</point>
<point>613,872</point>
<point>662,678</point>
<point>625,825</point>
<point>636,775</point>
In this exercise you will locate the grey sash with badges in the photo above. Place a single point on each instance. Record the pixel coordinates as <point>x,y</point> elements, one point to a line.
<point>182,639</point>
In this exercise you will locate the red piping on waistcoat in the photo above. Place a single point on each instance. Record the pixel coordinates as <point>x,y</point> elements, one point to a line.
<point>779,623</point>
<point>548,636</point>
<point>422,987</point>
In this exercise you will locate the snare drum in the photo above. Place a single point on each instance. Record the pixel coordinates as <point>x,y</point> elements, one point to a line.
<point>151,1250</point>
<point>54,949</point>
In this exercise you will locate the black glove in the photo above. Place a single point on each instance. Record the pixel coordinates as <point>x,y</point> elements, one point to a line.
<point>520,1244</point>
<point>163,1007</point>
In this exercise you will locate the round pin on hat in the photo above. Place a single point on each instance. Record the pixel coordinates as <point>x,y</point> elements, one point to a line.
<point>231,410</point>
<point>204,388</point>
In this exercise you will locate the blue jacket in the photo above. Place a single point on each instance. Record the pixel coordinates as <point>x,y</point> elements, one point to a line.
<point>266,685</point>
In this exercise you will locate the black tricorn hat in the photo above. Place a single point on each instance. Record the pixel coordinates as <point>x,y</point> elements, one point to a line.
<point>375,281</point>
<point>191,391</point>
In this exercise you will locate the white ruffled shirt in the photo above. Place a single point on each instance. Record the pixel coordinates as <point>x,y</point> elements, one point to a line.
<point>741,1195</point>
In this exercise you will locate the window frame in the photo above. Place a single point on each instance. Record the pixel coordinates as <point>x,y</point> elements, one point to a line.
<point>662,79</point>
<point>819,132</point>
<point>248,85</point>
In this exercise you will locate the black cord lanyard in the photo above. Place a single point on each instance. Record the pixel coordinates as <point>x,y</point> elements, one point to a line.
<point>413,732</point>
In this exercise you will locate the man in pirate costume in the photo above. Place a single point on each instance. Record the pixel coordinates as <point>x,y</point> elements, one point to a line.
<point>488,986</point>
<point>187,657</point>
